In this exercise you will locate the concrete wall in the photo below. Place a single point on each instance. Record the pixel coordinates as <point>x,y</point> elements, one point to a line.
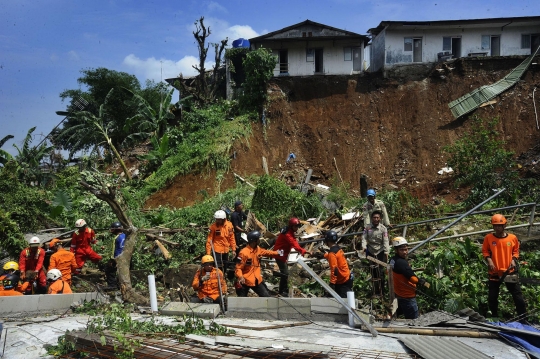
<point>377,52</point>
<point>432,42</point>
<point>333,56</point>
<point>44,302</point>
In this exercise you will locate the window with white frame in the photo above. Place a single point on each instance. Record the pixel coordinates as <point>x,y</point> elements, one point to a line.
<point>347,53</point>
<point>408,44</point>
<point>447,43</point>
<point>486,42</point>
<point>526,41</point>
<point>310,55</point>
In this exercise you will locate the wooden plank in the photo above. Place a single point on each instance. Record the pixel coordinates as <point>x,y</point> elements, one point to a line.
<point>265,165</point>
<point>277,326</point>
<point>163,250</point>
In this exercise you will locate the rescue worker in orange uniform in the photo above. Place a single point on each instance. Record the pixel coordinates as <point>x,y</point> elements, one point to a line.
<point>405,280</point>
<point>81,242</point>
<point>248,267</point>
<point>56,284</point>
<point>221,235</point>
<point>10,282</point>
<point>341,280</point>
<point>207,281</point>
<point>31,258</point>
<point>62,260</point>
<point>10,268</point>
<point>501,252</point>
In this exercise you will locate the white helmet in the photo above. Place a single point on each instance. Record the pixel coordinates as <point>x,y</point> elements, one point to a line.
<point>80,223</point>
<point>399,241</point>
<point>54,274</point>
<point>34,240</point>
<point>220,214</point>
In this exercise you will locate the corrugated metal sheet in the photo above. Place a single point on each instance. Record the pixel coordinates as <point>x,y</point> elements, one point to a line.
<point>474,99</point>
<point>441,348</point>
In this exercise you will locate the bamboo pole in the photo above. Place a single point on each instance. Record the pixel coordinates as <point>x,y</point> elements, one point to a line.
<point>437,332</point>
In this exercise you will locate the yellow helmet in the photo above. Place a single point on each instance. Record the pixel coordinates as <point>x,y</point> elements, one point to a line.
<point>11,266</point>
<point>207,259</point>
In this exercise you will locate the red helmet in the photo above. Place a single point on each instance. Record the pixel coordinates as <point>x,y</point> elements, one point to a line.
<point>498,219</point>
<point>294,222</point>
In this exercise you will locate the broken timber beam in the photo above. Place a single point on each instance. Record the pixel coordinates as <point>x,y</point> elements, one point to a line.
<point>163,250</point>
<point>438,332</point>
<point>243,180</point>
<point>153,237</point>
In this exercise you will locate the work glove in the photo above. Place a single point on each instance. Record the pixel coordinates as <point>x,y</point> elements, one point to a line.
<point>205,277</point>
<point>422,282</point>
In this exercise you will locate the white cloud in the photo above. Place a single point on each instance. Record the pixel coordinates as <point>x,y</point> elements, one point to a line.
<point>151,67</point>
<point>221,29</point>
<point>238,31</point>
<point>214,6</point>
<point>73,56</point>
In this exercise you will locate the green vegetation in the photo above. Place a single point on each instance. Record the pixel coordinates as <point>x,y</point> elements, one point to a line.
<point>275,203</point>
<point>480,161</point>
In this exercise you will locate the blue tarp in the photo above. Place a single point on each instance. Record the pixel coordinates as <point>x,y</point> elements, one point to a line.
<point>240,43</point>
<point>529,342</point>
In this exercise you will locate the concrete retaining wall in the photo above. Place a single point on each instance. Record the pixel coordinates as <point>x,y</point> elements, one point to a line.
<point>44,302</point>
<point>284,307</point>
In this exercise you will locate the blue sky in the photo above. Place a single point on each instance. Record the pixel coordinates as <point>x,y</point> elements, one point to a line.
<point>45,44</point>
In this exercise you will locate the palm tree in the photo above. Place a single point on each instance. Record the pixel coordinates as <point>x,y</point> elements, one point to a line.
<point>88,123</point>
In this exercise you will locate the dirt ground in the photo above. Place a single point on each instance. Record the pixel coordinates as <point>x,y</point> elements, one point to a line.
<point>390,129</point>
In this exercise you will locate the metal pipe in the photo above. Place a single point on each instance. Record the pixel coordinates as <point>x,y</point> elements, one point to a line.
<point>455,221</point>
<point>531,220</point>
<point>477,232</point>
<point>336,296</point>
<point>457,215</point>
<point>217,273</point>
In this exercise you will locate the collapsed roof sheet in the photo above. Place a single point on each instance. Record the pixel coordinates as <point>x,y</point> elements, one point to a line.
<point>474,99</point>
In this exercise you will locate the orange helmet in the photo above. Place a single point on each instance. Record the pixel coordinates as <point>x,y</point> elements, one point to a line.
<point>207,259</point>
<point>498,219</point>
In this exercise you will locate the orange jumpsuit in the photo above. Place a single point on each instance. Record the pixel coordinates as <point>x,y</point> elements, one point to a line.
<point>249,266</point>
<point>339,270</point>
<point>81,245</point>
<point>501,251</point>
<point>222,237</point>
<point>65,262</point>
<point>59,287</point>
<point>32,259</point>
<point>210,287</point>
<point>9,293</point>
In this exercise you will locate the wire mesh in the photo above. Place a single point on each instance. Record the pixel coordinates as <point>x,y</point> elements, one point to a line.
<point>168,349</point>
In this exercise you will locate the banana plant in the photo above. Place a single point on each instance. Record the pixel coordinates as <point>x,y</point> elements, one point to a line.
<point>5,156</point>
<point>149,121</point>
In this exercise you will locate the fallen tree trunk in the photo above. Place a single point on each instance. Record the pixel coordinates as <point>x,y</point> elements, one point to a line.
<point>107,192</point>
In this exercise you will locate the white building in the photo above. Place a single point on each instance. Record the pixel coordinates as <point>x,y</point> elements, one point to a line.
<point>310,48</point>
<point>414,42</point>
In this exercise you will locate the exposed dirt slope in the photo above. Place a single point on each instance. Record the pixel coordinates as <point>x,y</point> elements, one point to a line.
<point>392,130</point>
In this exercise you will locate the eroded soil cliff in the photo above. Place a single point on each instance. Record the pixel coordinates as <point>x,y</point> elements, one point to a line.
<point>392,130</point>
